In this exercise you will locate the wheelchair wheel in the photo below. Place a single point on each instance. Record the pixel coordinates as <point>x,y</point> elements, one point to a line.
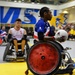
<point>59,45</point>
<point>6,51</point>
<point>44,58</point>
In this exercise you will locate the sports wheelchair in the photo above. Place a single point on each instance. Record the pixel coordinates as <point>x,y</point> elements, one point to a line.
<point>10,52</point>
<point>49,58</point>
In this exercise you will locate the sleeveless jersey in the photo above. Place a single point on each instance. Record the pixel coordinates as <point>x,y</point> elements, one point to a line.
<point>17,34</point>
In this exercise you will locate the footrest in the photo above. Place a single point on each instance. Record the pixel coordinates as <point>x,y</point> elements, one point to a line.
<point>20,59</point>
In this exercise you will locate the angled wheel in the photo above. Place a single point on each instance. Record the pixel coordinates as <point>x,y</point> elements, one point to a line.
<point>27,48</point>
<point>6,51</point>
<point>44,58</point>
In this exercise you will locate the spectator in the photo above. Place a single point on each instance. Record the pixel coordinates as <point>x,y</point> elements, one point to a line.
<point>3,34</point>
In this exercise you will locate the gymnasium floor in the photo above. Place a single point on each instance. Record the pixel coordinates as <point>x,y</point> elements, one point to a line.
<point>18,68</point>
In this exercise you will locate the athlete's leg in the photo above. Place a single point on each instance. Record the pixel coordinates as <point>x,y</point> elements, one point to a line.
<point>15,44</point>
<point>23,45</point>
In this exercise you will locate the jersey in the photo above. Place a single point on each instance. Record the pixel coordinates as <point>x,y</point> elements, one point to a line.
<point>3,34</point>
<point>17,34</point>
<point>41,26</point>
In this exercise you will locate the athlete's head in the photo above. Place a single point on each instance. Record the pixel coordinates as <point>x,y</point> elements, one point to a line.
<point>45,13</point>
<point>18,23</point>
<point>3,28</point>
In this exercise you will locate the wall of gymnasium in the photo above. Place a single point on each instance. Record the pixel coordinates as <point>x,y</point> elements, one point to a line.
<point>28,16</point>
<point>71,15</point>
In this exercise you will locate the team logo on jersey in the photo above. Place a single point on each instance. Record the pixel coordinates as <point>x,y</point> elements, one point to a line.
<point>20,32</point>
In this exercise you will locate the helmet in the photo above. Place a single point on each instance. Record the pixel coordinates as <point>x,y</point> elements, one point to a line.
<point>61,35</point>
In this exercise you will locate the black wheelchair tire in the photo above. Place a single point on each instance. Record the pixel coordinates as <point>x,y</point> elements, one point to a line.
<point>6,51</point>
<point>61,48</point>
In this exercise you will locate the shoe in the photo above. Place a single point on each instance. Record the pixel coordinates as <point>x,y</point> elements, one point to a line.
<point>20,54</point>
<point>17,54</point>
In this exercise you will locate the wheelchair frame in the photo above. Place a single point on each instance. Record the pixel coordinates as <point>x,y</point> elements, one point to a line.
<point>9,48</point>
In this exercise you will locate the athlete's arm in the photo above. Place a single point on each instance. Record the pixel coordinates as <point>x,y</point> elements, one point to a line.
<point>9,34</point>
<point>40,30</point>
<point>40,36</point>
<point>25,35</point>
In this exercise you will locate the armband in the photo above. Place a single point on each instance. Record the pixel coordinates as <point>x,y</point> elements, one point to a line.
<point>40,36</point>
<point>25,37</point>
<point>9,36</point>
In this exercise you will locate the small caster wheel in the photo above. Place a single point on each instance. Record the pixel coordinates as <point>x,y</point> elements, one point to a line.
<point>26,72</point>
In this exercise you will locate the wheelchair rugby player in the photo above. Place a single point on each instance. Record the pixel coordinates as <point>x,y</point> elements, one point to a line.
<point>47,55</point>
<point>17,37</point>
